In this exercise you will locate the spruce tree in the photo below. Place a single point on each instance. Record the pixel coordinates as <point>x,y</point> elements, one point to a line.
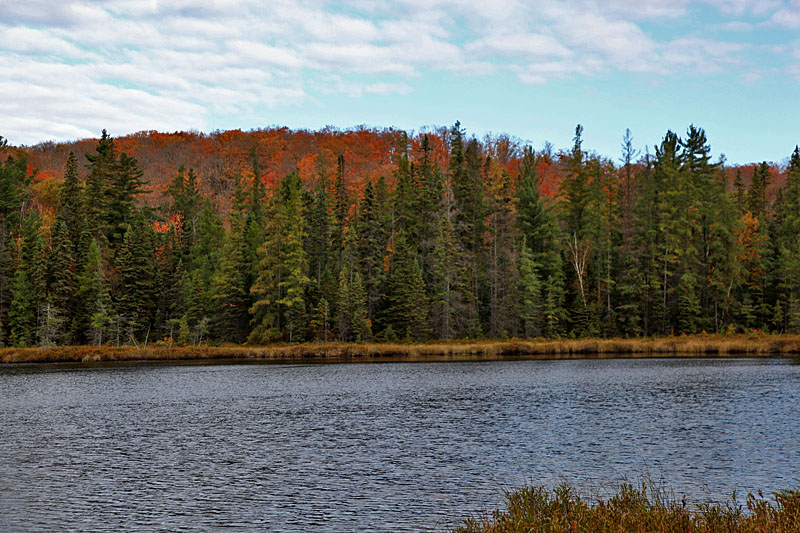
<point>529,304</point>
<point>407,306</point>
<point>756,194</point>
<point>102,169</point>
<point>125,185</point>
<point>61,270</point>
<point>295,281</point>
<point>136,275</point>
<point>14,188</point>
<point>72,210</point>
<point>282,278</point>
<point>8,255</point>
<point>28,290</point>
<point>230,290</point>
<point>469,209</point>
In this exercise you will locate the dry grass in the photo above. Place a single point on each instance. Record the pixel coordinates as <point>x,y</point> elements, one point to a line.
<point>688,346</point>
<point>635,510</point>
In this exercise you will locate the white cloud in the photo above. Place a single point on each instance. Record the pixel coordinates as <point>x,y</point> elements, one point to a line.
<point>788,16</point>
<point>523,45</point>
<point>637,9</point>
<point>80,65</point>
<point>703,55</point>
<point>742,7</point>
<point>21,39</point>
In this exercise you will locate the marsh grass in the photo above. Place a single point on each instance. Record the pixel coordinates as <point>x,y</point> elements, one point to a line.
<point>644,508</point>
<point>688,346</point>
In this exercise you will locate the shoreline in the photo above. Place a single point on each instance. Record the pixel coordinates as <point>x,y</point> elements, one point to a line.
<point>458,350</point>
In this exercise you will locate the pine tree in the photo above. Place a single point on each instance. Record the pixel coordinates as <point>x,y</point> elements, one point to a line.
<point>370,247</point>
<point>756,195</point>
<point>529,304</point>
<point>102,168</point>
<point>319,237</point>
<point>340,212</point>
<point>21,314</point>
<point>430,206</point>
<point>282,278</point>
<point>407,306</point>
<point>28,291</point>
<point>8,254</point>
<point>61,271</point>
<point>738,185</point>
<point>448,268</point>
<point>14,188</point>
<point>468,208</point>
<point>230,292</point>
<point>135,283</point>
<point>321,321</point>
<point>125,185</point>
<point>351,315</point>
<point>72,210</point>
<point>676,246</point>
<point>688,304</point>
<point>186,205</point>
<point>295,262</point>
<point>543,236</point>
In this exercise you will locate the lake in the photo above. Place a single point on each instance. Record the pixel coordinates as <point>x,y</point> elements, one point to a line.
<point>377,446</point>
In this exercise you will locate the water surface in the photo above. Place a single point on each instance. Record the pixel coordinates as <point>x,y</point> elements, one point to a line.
<point>395,446</point>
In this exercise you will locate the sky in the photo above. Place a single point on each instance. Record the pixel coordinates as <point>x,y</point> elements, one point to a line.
<point>530,69</point>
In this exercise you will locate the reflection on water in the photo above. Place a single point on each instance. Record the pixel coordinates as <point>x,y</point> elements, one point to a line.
<point>394,446</point>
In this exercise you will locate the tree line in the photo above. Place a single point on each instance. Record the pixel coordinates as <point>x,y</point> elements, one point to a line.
<point>658,244</point>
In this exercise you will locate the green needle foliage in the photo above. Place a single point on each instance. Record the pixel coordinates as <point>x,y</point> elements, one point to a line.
<point>453,238</point>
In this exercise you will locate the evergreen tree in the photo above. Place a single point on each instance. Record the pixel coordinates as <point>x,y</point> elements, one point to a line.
<point>125,185</point>
<point>14,188</point>
<point>282,278</point>
<point>8,254</point>
<point>94,316</point>
<point>295,262</point>
<point>756,195</point>
<point>340,212</point>
<point>72,210</point>
<point>102,168</point>
<point>544,238</point>
<point>407,306</point>
<point>688,304</point>
<point>135,281</point>
<point>351,319</point>
<point>21,314</point>
<point>370,247</point>
<point>61,267</point>
<point>28,291</point>
<point>738,185</point>
<point>529,305</point>
<point>319,236</point>
<point>230,291</point>
<point>468,208</point>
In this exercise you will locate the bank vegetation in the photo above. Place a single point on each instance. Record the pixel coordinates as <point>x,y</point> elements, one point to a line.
<point>754,345</point>
<point>633,509</point>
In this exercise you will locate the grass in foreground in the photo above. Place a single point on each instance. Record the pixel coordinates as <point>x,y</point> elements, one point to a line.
<point>684,345</point>
<point>635,510</point>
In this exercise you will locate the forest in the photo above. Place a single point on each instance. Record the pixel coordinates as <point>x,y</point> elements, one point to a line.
<point>381,235</point>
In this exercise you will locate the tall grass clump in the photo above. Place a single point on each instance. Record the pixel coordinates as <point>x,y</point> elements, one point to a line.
<point>635,509</point>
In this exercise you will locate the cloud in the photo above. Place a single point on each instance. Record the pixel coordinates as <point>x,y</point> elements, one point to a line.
<point>80,65</point>
<point>703,55</point>
<point>24,40</point>
<point>788,16</point>
<point>522,45</point>
<point>742,7</point>
<point>637,9</point>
